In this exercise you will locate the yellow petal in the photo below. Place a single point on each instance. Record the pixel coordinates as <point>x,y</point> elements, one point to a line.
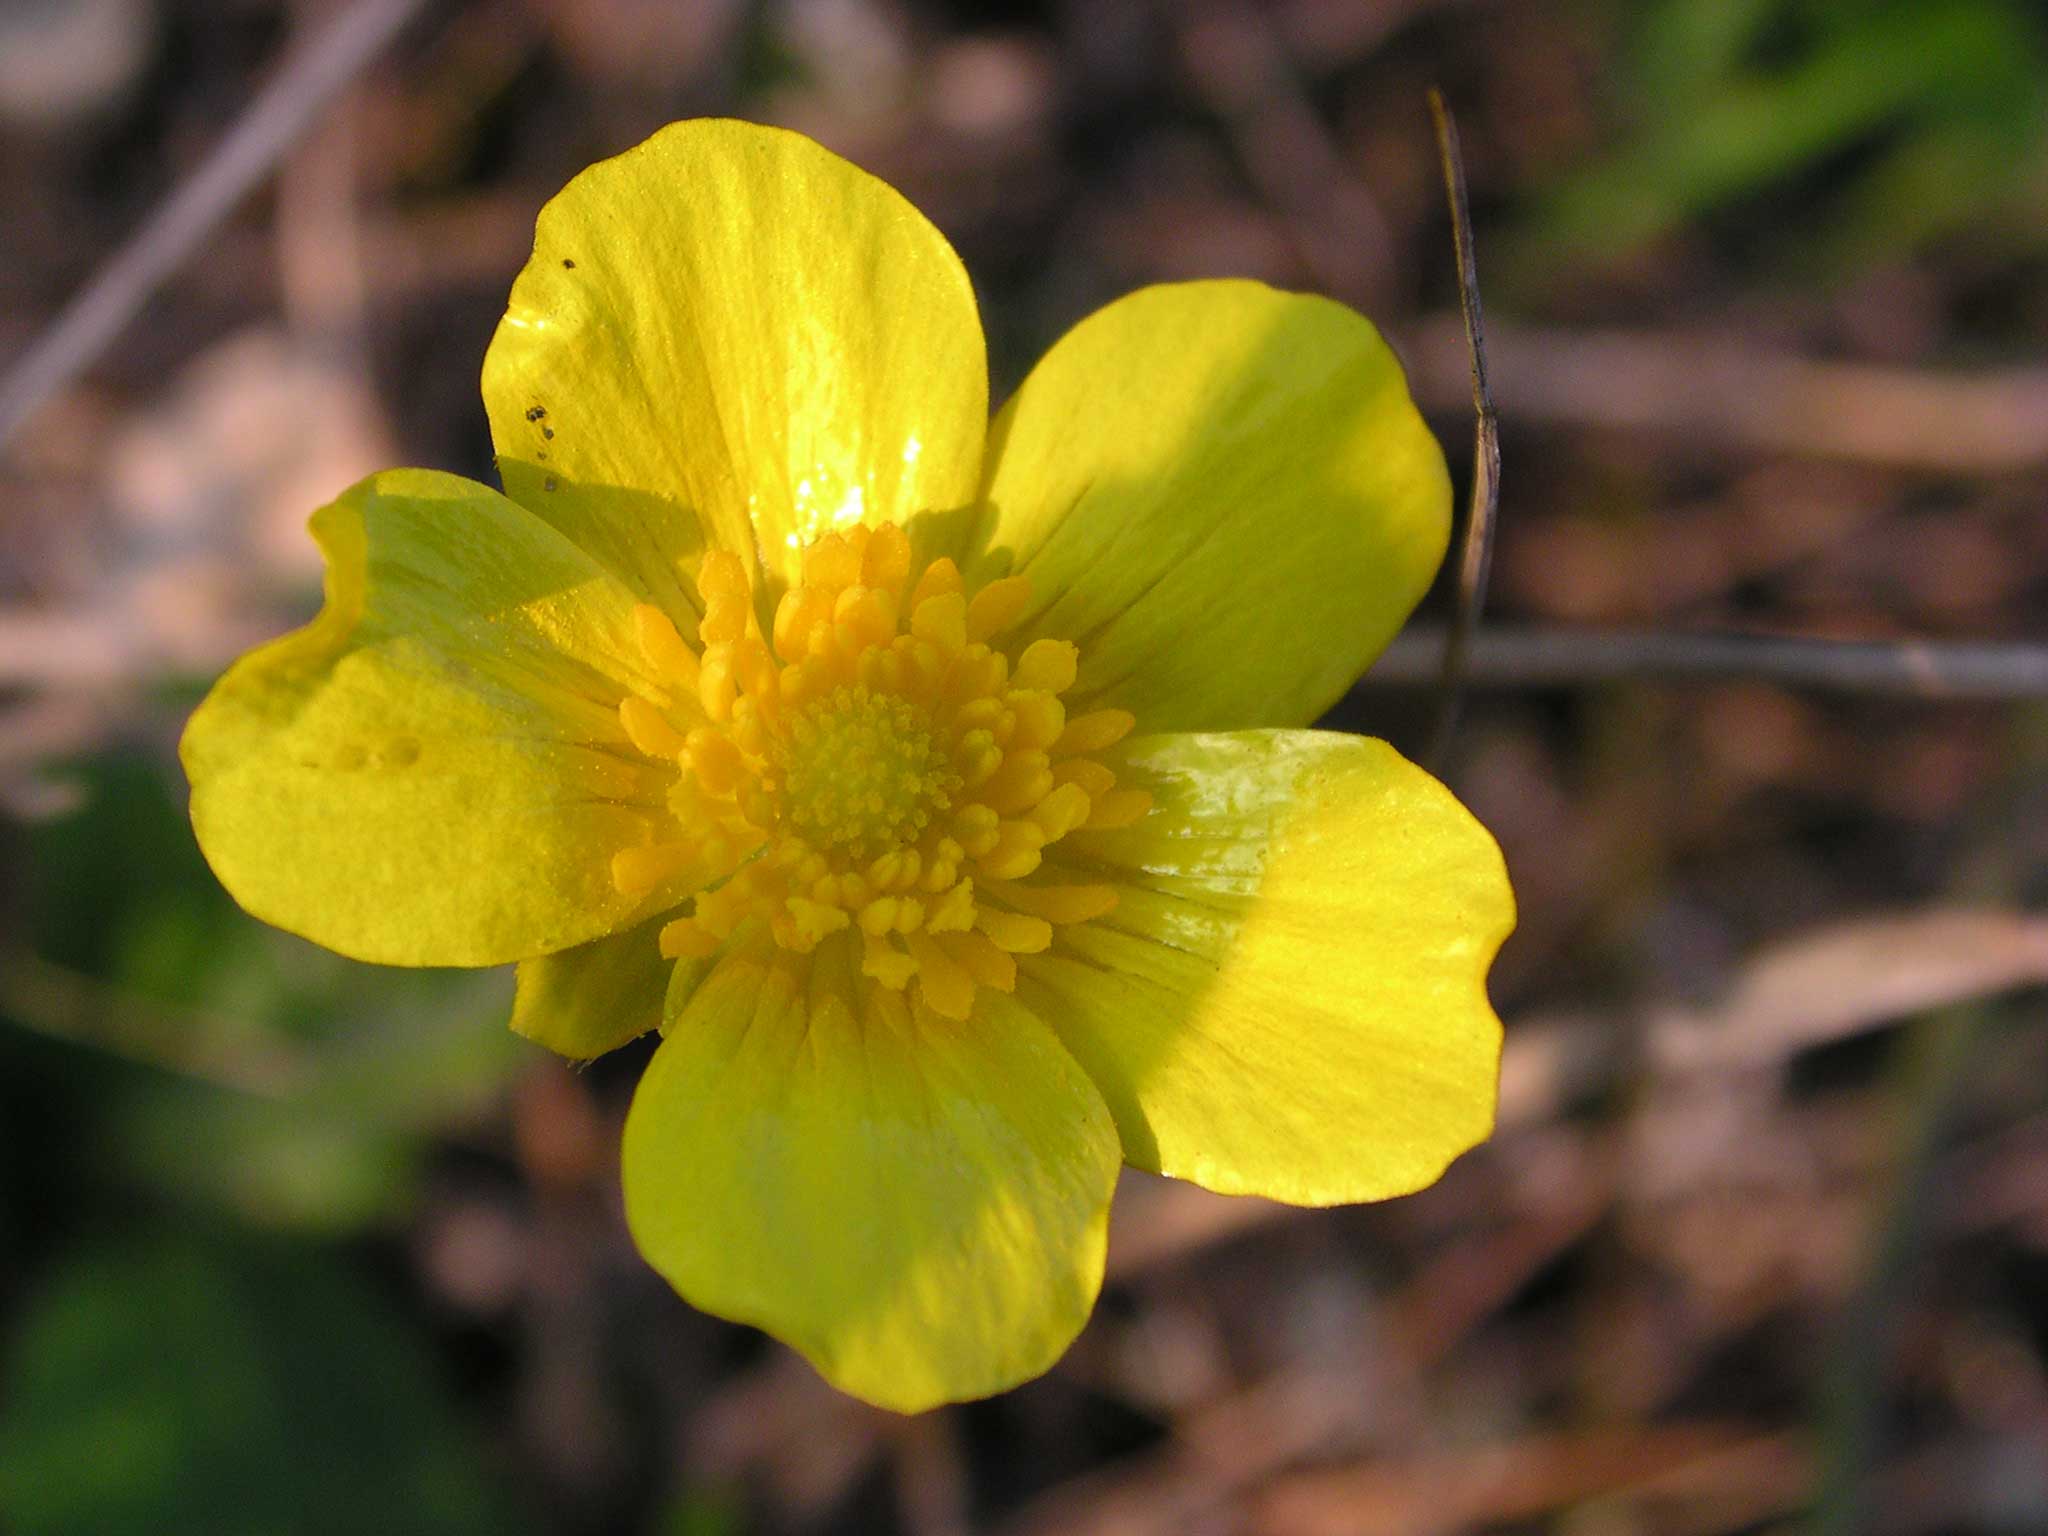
<point>730,333</point>
<point>916,1205</point>
<point>1226,489</point>
<point>1289,999</point>
<point>433,772</point>
<point>594,998</point>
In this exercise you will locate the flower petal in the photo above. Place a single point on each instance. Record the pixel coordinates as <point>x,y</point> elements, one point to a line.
<point>1226,491</point>
<point>730,332</point>
<point>594,998</point>
<point>917,1205</point>
<point>433,771</point>
<point>1289,999</point>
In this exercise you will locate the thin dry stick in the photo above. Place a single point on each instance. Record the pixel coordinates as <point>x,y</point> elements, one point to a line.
<point>1717,391</point>
<point>271,124</point>
<point>1475,551</point>
<point>1517,658</point>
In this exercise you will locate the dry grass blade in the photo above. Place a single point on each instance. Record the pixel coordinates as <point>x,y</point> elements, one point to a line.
<point>283,111</point>
<point>1820,986</point>
<point>1475,549</point>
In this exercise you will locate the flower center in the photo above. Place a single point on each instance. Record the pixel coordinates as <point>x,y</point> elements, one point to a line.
<point>881,771</point>
<point>860,773</point>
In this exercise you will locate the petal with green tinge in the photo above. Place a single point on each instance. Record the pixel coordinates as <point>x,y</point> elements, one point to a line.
<point>917,1205</point>
<point>1289,999</point>
<point>1225,493</point>
<point>433,772</point>
<point>594,998</point>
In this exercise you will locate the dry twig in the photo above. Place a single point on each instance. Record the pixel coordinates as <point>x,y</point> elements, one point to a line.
<point>1475,550</point>
<point>1507,657</point>
<point>273,122</point>
<point>1721,394</point>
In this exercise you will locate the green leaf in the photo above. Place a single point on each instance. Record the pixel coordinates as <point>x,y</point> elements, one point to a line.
<point>231,1388</point>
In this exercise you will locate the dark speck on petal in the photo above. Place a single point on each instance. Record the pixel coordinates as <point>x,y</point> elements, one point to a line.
<point>534,413</point>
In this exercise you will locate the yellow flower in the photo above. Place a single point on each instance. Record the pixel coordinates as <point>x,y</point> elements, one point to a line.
<point>938,787</point>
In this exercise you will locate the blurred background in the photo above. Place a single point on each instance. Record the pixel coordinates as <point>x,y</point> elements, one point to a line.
<point>293,1245</point>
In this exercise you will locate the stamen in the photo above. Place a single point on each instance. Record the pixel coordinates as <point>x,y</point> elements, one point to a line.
<point>1060,904</point>
<point>875,773</point>
<point>1048,664</point>
<point>1095,731</point>
<point>1118,808</point>
<point>636,871</point>
<point>997,606</point>
<point>1013,931</point>
<point>648,728</point>
<point>665,649</point>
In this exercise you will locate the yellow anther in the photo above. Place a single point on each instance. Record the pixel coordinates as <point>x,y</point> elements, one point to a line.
<point>1089,774</point>
<point>716,685</point>
<point>997,606</point>
<point>953,912</point>
<point>636,871</point>
<point>1093,731</point>
<point>648,728</point>
<point>864,617</point>
<point>979,670</point>
<point>665,649</point>
<point>1057,903</point>
<point>976,827</point>
<point>728,611</point>
<point>948,989</point>
<point>798,683</point>
<point>1016,852</point>
<point>1049,664</point>
<point>977,758</point>
<point>1024,779</point>
<point>942,621</point>
<point>801,611</point>
<point>924,664</point>
<point>879,915</point>
<point>1040,718</point>
<point>714,760</point>
<point>813,920</point>
<point>979,957</point>
<point>886,963</point>
<point>832,562</point>
<point>1013,932</point>
<point>750,723</point>
<point>755,669</point>
<point>721,577</point>
<point>686,939</point>
<point>909,914</point>
<point>721,623</point>
<point>1118,808</point>
<point>886,561</point>
<point>1061,811</point>
<point>940,577</point>
<point>978,714</point>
